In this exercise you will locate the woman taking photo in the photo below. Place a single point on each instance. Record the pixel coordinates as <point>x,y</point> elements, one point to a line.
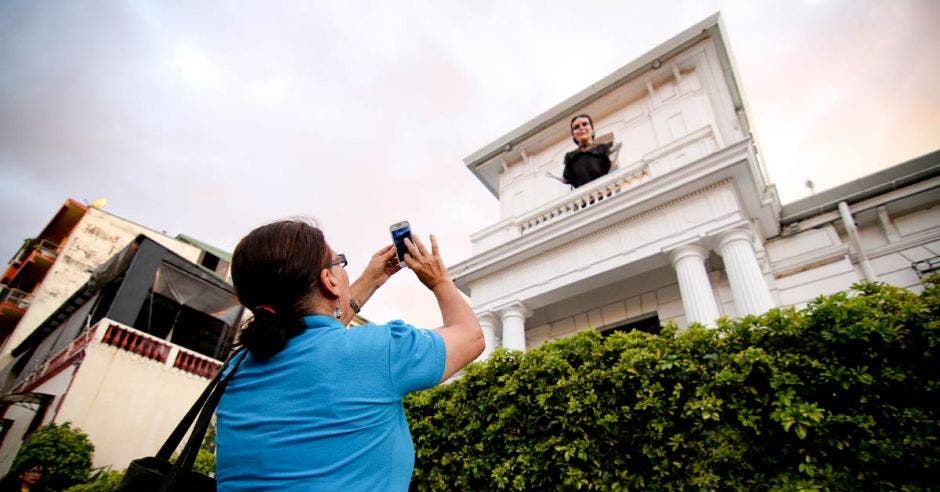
<point>314,406</point>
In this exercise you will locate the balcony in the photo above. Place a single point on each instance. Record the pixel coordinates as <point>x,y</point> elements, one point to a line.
<point>122,339</point>
<point>31,263</point>
<point>13,304</point>
<point>662,161</point>
<point>14,298</point>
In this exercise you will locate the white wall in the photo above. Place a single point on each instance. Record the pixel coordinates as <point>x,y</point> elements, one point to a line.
<point>829,265</point>
<point>648,115</point>
<point>812,263</point>
<point>127,404</point>
<point>56,385</point>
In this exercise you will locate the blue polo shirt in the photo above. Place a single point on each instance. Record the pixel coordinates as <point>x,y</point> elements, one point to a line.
<point>326,412</point>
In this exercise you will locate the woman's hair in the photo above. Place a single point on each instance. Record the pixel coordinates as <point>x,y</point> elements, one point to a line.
<point>276,270</point>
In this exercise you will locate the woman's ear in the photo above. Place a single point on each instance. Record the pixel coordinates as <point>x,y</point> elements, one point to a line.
<point>328,284</point>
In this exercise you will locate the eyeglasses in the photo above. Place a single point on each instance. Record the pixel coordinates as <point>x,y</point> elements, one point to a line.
<point>340,260</point>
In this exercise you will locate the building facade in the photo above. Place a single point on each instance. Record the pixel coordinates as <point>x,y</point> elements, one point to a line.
<point>117,329</point>
<point>76,346</point>
<point>688,227</point>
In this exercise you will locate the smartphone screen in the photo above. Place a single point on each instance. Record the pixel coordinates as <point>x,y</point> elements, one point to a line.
<point>400,231</point>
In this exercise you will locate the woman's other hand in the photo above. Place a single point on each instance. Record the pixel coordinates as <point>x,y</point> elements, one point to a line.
<point>427,265</point>
<point>382,265</point>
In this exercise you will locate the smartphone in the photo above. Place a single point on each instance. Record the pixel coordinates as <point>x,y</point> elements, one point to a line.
<point>400,231</point>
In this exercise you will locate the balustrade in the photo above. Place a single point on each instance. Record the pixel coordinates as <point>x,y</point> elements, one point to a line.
<point>194,363</point>
<point>136,342</point>
<point>127,339</point>
<point>591,195</point>
<point>150,347</point>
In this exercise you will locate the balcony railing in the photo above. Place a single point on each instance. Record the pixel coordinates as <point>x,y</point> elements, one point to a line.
<point>131,340</point>
<point>678,153</point>
<point>16,297</point>
<point>47,248</point>
<point>125,339</point>
<point>159,350</point>
<point>590,196</point>
<point>42,247</point>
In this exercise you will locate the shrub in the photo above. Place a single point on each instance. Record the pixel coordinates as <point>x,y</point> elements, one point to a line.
<point>65,452</point>
<point>205,463</point>
<point>842,395</point>
<point>104,481</point>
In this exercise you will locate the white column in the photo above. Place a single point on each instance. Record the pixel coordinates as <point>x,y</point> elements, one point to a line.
<point>513,318</point>
<point>697,296</point>
<point>751,295</point>
<point>488,325</point>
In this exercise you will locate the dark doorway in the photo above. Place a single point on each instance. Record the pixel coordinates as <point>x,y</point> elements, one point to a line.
<point>648,323</point>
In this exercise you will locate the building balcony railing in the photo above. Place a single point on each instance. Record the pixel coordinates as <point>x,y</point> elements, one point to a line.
<point>685,150</point>
<point>42,247</point>
<point>36,253</point>
<point>588,196</point>
<point>14,297</point>
<point>126,339</point>
<point>585,197</point>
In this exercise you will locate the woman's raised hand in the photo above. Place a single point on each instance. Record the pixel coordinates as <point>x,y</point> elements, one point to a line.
<point>382,265</point>
<point>428,266</point>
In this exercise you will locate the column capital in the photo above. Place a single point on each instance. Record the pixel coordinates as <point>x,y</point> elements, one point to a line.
<point>486,316</point>
<point>690,249</point>
<point>515,309</point>
<point>731,236</point>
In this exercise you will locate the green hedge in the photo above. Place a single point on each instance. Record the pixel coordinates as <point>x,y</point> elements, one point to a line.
<point>841,395</point>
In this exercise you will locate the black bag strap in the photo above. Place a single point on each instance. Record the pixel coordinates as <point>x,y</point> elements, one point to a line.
<point>172,442</point>
<point>188,455</point>
<point>204,413</point>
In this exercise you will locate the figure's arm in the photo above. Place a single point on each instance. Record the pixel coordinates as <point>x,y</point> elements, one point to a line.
<point>560,180</point>
<point>613,155</point>
<point>381,266</point>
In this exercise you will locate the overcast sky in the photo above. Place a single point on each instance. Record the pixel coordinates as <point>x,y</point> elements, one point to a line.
<point>211,118</point>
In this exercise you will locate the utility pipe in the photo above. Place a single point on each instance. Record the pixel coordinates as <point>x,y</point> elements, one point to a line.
<point>856,242</point>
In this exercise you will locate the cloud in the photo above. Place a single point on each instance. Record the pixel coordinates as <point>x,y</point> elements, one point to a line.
<point>215,117</point>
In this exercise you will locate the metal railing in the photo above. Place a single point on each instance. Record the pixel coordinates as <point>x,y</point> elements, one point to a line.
<point>15,296</point>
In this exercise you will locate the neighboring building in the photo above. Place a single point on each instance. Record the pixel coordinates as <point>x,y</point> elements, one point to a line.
<point>125,356</point>
<point>688,228</point>
<point>66,350</point>
<point>51,267</point>
<point>114,327</point>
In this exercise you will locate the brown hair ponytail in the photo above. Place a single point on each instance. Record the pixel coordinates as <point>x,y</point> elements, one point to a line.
<point>276,270</point>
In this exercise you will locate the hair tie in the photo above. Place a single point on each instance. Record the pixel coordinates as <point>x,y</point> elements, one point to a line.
<point>265,307</point>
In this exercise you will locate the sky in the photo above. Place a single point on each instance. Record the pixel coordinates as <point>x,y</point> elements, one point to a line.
<point>211,118</point>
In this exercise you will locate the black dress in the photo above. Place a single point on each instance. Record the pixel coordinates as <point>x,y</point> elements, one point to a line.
<point>582,167</point>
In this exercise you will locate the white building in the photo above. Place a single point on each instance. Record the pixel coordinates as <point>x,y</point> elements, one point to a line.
<point>688,228</point>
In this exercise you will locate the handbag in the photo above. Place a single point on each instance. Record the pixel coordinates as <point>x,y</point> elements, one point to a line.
<point>156,473</point>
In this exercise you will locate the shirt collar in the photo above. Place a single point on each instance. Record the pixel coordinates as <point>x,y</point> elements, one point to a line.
<point>321,321</point>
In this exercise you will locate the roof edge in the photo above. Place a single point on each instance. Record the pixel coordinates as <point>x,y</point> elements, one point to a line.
<point>910,171</point>
<point>701,30</point>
